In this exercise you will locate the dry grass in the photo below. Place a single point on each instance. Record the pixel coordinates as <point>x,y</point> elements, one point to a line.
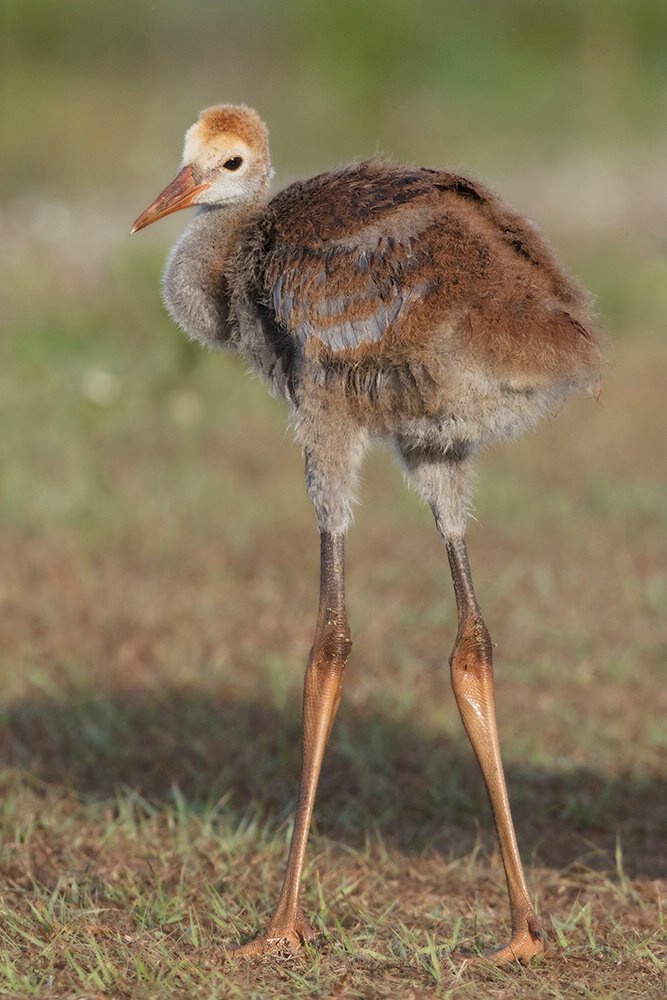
<point>158,590</point>
<point>158,558</point>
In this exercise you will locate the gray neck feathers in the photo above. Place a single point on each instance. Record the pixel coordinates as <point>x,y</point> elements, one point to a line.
<point>194,287</point>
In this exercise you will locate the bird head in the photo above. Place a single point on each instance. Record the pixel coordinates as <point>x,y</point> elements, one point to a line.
<point>225,162</point>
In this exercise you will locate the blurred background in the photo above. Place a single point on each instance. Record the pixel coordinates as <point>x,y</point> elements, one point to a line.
<point>147,485</point>
<point>158,558</point>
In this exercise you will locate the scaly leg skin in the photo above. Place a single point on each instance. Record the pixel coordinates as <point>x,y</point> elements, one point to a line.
<point>472,680</point>
<point>288,929</point>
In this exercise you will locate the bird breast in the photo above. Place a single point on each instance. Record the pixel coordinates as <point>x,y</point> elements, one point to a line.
<point>194,288</point>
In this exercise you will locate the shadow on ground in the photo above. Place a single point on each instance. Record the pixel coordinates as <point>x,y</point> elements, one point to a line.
<point>416,789</point>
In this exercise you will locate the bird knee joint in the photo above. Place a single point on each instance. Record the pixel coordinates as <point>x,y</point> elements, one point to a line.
<point>335,649</point>
<point>472,649</point>
<point>332,647</point>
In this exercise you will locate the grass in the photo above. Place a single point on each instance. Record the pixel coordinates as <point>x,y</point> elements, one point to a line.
<point>158,592</point>
<point>158,557</point>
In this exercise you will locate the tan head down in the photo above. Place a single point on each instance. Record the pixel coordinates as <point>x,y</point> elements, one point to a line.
<point>228,150</point>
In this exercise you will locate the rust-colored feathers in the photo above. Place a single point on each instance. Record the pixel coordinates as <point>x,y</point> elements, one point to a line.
<point>382,290</point>
<point>378,255</point>
<point>238,120</point>
<point>381,301</point>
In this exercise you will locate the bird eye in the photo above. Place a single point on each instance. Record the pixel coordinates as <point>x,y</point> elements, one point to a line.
<point>233,163</point>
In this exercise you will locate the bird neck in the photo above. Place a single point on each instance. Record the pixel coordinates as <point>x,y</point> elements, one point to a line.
<point>214,229</point>
<point>195,286</point>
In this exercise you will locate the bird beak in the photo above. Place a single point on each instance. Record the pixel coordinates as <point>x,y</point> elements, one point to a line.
<point>181,193</point>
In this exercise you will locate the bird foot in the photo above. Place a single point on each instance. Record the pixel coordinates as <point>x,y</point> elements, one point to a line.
<point>527,942</point>
<point>284,937</point>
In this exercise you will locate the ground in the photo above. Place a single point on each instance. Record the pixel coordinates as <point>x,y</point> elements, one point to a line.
<point>158,591</point>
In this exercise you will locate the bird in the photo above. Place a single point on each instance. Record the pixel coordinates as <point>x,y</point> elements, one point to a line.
<point>382,302</point>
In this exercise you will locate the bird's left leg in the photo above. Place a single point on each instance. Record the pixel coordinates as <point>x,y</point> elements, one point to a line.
<point>323,686</point>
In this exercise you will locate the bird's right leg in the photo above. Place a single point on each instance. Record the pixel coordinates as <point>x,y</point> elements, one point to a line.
<point>443,481</point>
<point>471,666</point>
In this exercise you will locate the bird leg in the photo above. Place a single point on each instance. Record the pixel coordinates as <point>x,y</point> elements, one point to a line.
<point>323,685</point>
<point>472,680</point>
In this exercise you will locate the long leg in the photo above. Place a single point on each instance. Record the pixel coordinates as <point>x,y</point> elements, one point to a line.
<point>323,685</point>
<point>444,484</point>
<point>471,666</point>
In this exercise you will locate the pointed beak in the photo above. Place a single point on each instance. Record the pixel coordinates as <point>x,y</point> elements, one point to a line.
<point>181,193</point>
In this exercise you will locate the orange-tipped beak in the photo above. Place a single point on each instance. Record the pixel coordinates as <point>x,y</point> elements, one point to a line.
<point>179,194</point>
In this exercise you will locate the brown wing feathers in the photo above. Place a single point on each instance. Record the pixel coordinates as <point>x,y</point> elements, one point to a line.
<point>345,297</point>
<point>337,277</point>
<point>375,255</point>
